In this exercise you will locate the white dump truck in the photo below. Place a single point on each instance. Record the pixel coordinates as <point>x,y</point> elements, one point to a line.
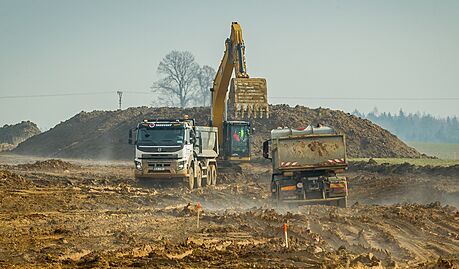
<point>175,149</point>
<point>307,163</point>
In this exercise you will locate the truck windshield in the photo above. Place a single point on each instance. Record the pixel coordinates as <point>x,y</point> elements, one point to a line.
<point>160,136</point>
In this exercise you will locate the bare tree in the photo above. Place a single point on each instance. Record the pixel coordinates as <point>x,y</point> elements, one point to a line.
<point>205,79</point>
<point>178,85</point>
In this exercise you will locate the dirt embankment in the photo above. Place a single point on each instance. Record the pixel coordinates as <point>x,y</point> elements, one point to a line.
<point>404,168</point>
<point>103,134</point>
<point>12,135</point>
<point>374,183</point>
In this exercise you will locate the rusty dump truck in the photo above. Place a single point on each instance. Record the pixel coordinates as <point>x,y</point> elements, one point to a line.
<point>307,163</point>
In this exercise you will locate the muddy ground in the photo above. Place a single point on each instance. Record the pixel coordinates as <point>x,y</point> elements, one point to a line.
<point>83,214</point>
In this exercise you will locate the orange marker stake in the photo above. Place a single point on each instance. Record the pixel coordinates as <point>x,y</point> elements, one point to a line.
<point>285,235</point>
<point>198,207</point>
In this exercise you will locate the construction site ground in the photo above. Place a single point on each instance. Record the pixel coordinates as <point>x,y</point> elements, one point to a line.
<point>71,213</point>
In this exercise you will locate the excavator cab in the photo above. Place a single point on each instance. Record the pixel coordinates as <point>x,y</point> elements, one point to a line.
<point>237,140</point>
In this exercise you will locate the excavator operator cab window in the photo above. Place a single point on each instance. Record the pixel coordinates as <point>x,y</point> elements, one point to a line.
<point>237,134</point>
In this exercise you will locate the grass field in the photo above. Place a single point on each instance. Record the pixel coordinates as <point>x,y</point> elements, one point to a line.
<point>421,162</point>
<point>440,150</point>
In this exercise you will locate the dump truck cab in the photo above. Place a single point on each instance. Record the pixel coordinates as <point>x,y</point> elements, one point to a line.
<point>175,149</point>
<point>307,165</point>
<point>162,148</point>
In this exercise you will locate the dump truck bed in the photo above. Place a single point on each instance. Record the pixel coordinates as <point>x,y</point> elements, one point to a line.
<point>309,152</point>
<point>207,142</point>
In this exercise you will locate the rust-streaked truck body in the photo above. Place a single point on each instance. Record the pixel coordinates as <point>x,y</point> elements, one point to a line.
<point>309,152</point>
<point>306,165</point>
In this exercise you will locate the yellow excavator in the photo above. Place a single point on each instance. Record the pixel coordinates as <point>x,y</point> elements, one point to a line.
<point>247,99</point>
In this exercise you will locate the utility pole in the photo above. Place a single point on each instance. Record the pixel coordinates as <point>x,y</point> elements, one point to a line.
<point>120,94</point>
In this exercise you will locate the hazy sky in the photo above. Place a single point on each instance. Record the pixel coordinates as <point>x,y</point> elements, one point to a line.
<point>326,49</point>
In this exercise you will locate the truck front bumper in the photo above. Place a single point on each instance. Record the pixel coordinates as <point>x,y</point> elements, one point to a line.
<point>161,169</point>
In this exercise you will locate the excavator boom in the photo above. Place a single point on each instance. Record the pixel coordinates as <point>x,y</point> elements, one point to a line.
<point>247,96</point>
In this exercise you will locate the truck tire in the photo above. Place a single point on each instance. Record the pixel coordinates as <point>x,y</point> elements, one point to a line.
<point>277,195</point>
<point>198,180</point>
<point>190,181</point>
<point>207,180</point>
<point>213,174</point>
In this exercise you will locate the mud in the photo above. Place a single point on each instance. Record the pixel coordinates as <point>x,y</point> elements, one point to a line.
<point>75,214</point>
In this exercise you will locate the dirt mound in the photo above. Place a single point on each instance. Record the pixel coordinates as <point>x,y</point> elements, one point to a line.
<point>103,134</point>
<point>404,168</point>
<point>12,135</point>
<point>9,179</point>
<point>363,137</point>
<point>52,164</point>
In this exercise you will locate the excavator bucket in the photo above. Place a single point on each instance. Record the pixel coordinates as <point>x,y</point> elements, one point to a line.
<point>249,98</point>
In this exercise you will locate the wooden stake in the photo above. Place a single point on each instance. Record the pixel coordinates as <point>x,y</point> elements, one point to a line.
<point>285,235</point>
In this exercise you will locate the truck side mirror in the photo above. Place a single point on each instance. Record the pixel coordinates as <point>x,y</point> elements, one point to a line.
<point>130,140</point>
<point>266,149</point>
<point>192,137</point>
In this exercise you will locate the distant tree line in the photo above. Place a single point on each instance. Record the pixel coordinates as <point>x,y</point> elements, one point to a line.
<point>416,127</point>
<point>183,81</point>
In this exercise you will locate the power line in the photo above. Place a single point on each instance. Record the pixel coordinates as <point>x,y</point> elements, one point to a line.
<point>271,97</point>
<point>54,95</point>
<point>70,94</point>
<point>370,98</point>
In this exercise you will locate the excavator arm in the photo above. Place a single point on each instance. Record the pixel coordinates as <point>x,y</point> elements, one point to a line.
<point>248,96</point>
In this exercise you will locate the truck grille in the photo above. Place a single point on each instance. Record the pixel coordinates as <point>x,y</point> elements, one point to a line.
<point>160,156</point>
<point>159,149</point>
<point>158,167</point>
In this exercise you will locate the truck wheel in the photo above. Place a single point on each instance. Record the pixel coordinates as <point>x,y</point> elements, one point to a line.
<point>208,180</point>
<point>277,195</point>
<point>342,202</point>
<point>190,183</point>
<point>213,172</point>
<point>198,180</point>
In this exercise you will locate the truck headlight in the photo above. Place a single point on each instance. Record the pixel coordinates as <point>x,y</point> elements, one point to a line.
<point>181,165</point>
<point>138,165</point>
<point>299,185</point>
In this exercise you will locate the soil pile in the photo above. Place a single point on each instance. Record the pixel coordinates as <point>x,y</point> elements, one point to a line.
<point>12,135</point>
<point>404,168</point>
<point>52,164</point>
<point>9,179</point>
<point>103,134</point>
